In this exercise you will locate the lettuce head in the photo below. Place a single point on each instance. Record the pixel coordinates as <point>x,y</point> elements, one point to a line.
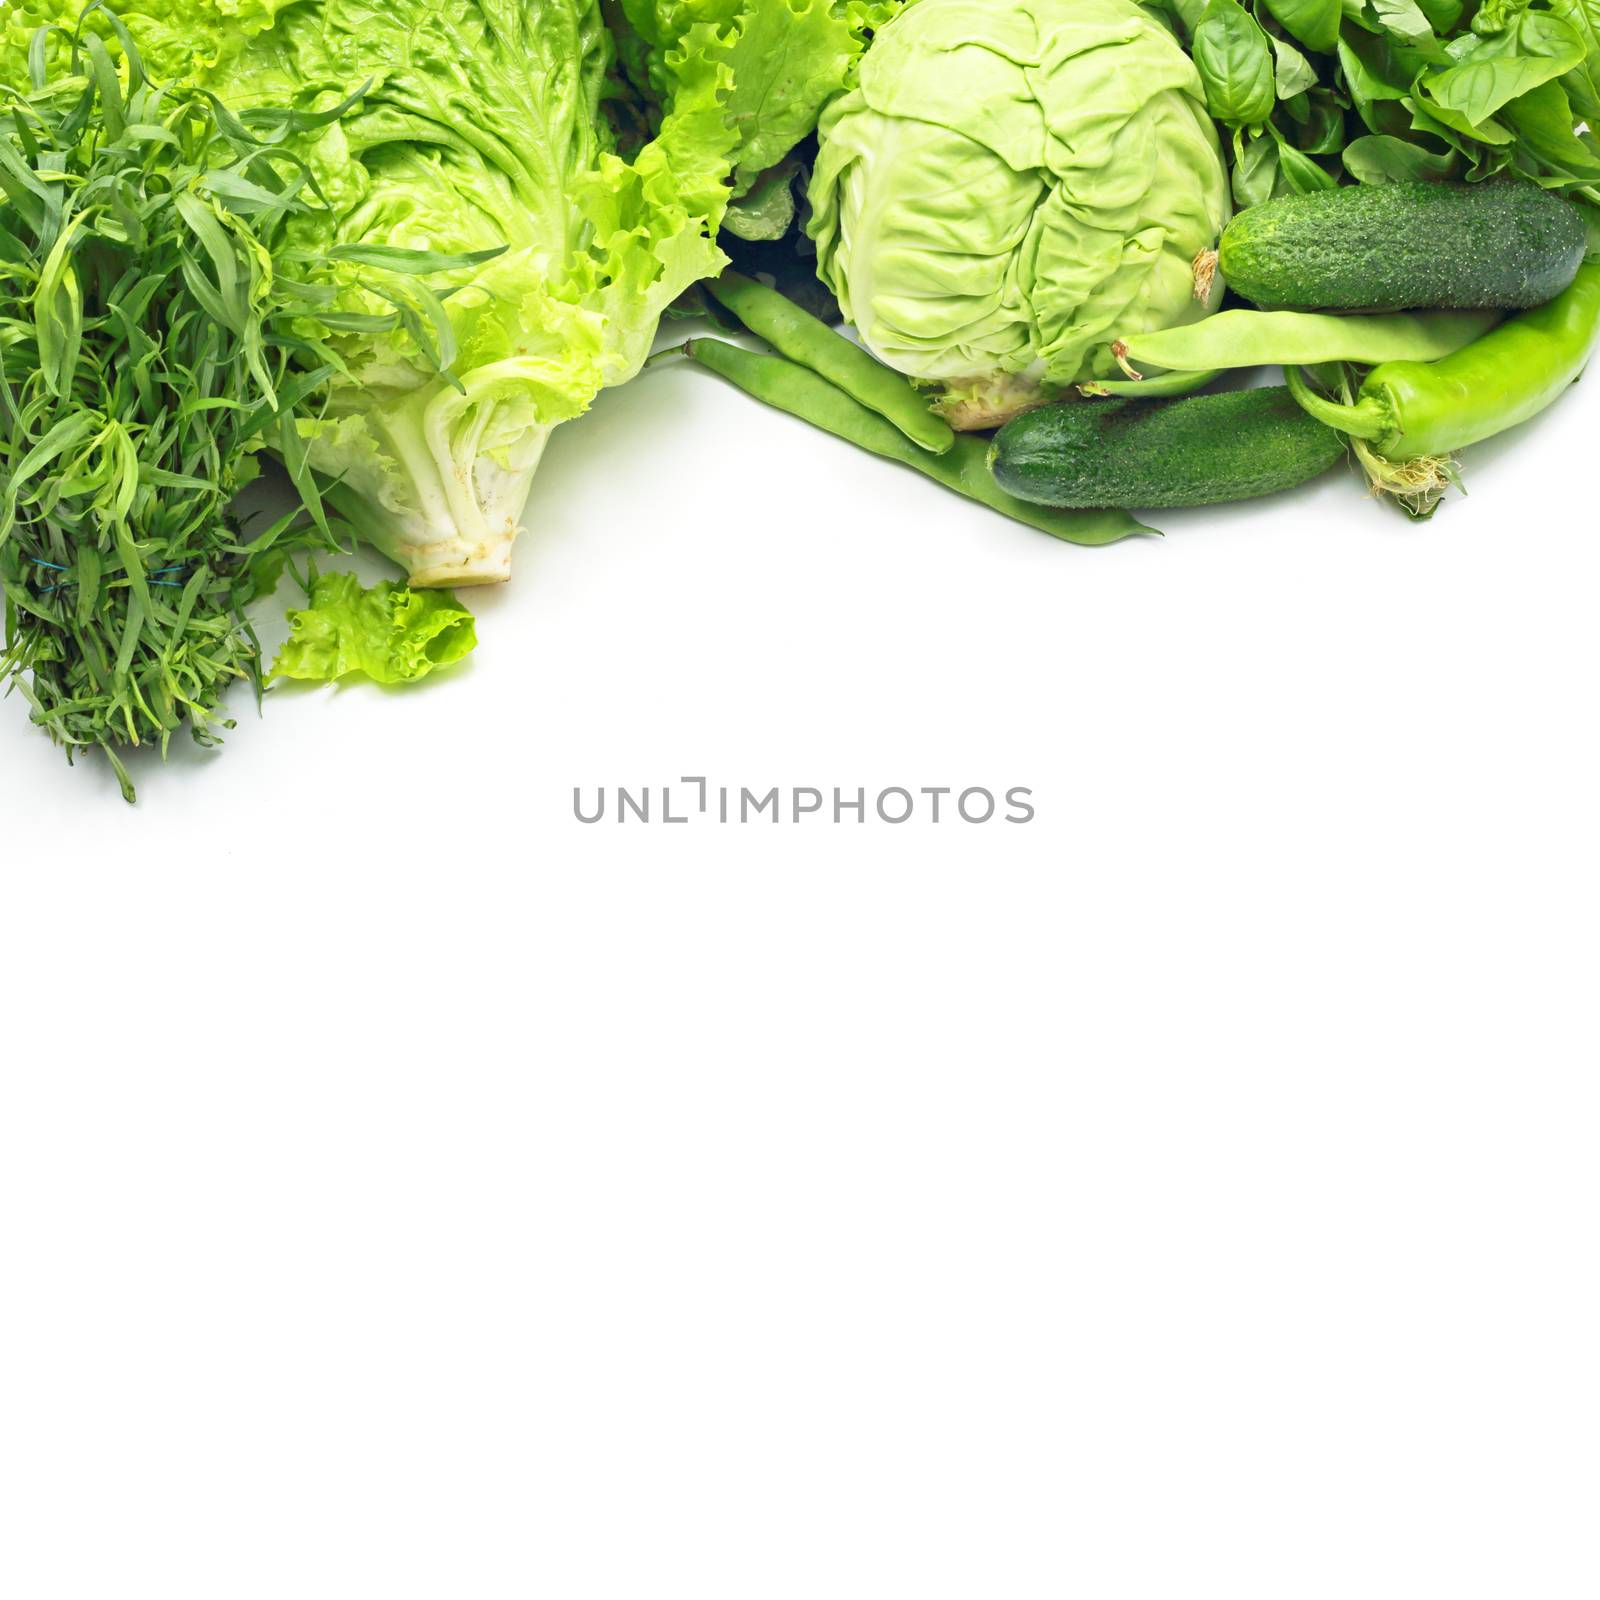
<point>482,132</point>
<point>479,128</point>
<point>1011,185</point>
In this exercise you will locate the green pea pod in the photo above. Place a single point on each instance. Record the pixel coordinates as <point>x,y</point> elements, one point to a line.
<point>1410,409</point>
<point>1303,338</point>
<point>964,468</point>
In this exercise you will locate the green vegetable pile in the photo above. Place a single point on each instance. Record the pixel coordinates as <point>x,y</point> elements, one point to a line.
<point>380,253</point>
<point>1019,207</point>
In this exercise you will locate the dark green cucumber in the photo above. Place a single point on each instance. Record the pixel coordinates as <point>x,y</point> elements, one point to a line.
<point>1404,247</point>
<point>1202,451</point>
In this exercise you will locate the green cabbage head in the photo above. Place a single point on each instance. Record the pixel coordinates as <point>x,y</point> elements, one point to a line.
<point>1011,186</point>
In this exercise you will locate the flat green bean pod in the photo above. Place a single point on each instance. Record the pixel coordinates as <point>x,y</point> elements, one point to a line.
<point>1304,338</point>
<point>810,342</point>
<point>964,468</point>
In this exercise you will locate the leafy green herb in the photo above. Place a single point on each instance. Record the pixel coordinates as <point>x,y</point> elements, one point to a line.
<point>1235,63</point>
<point>1381,158</point>
<point>1401,90</point>
<point>150,345</point>
<point>1293,74</point>
<point>1315,23</point>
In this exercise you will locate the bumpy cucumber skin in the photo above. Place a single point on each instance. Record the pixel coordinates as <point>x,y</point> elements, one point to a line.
<point>1405,246</point>
<point>1203,451</point>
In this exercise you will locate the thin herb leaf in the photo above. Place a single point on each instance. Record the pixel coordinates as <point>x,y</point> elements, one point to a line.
<point>156,331</point>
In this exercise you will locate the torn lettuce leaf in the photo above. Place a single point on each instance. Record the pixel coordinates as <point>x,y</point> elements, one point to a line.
<point>388,633</point>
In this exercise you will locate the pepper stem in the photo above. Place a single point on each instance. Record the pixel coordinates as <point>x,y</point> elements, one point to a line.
<point>1363,420</point>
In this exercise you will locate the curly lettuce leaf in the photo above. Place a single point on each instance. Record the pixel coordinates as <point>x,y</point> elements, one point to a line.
<point>784,59</point>
<point>387,633</point>
<point>178,39</point>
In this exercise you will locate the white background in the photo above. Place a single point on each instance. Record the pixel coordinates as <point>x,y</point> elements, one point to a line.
<point>407,1191</point>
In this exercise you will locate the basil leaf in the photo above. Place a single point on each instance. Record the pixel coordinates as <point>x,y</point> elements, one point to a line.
<point>1235,62</point>
<point>1583,82</point>
<point>1378,69</point>
<point>1255,169</point>
<point>1453,127</point>
<point>1321,127</point>
<point>1314,121</point>
<point>1442,15</point>
<point>1292,73</point>
<point>1299,171</point>
<point>1495,16</point>
<point>1491,72</point>
<point>1379,158</point>
<point>1404,19</point>
<point>1315,23</point>
<point>1543,122</point>
<point>1186,15</point>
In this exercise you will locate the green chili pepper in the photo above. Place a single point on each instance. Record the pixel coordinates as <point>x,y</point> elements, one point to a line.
<point>1412,409</point>
<point>964,468</point>
<point>1302,338</point>
<point>809,341</point>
